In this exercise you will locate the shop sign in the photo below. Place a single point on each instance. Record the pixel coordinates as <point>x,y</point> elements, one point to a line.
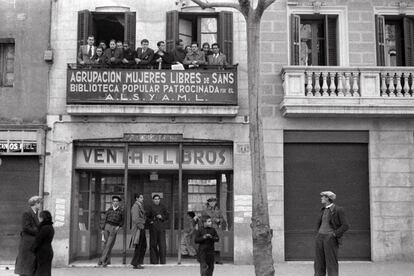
<point>20,142</point>
<point>161,158</point>
<point>128,86</point>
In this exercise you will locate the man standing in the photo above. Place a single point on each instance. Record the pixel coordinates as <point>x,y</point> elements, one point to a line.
<point>144,54</point>
<point>26,259</point>
<point>157,217</point>
<point>216,58</point>
<point>86,52</point>
<point>179,52</point>
<point>195,58</point>
<point>138,238</point>
<point>114,219</point>
<point>332,224</point>
<point>162,59</point>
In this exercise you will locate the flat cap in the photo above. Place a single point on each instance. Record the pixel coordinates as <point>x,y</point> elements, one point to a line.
<point>34,199</point>
<point>329,194</point>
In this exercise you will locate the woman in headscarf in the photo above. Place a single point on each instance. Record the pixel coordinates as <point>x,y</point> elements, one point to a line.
<point>218,223</point>
<point>42,247</point>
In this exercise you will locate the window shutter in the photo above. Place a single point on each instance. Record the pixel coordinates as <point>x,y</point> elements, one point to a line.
<point>380,33</point>
<point>130,28</point>
<point>225,34</point>
<point>408,26</point>
<point>172,30</point>
<point>84,26</point>
<point>330,41</point>
<point>294,39</point>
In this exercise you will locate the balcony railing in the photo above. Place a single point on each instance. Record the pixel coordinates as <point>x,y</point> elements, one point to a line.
<point>95,90</point>
<point>355,91</point>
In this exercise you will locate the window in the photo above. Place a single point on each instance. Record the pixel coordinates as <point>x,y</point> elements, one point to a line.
<point>314,40</point>
<point>105,26</point>
<point>201,27</point>
<point>395,40</point>
<point>6,62</point>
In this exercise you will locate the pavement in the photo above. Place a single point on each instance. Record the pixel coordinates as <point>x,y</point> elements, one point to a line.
<point>286,268</point>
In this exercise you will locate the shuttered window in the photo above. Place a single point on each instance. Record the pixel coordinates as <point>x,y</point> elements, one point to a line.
<point>201,27</point>
<point>314,40</point>
<point>395,40</point>
<point>6,62</point>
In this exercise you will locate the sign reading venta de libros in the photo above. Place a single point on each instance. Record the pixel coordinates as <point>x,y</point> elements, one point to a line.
<point>161,158</point>
<point>129,86</point>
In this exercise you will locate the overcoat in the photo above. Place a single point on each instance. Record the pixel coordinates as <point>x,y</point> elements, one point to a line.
<point>138,222</point>
<point>25,261</point>
<point>42,247</point>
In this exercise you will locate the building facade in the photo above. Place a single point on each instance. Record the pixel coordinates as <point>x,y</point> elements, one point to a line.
<point>24,65</point>
<point>337,104</point>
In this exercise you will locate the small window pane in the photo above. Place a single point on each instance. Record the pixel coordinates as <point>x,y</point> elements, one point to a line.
<point>210,38</point>
<point>208,25</point>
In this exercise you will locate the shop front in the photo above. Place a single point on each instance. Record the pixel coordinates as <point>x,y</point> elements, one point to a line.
<point>184,172</point>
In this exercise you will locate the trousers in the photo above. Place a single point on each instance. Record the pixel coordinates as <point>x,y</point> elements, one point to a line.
<point>158,245</point>
<point>140,248</point>
<point>110,237</point>
<point>326,255</point>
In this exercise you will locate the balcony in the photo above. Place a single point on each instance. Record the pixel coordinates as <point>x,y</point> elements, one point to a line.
<point>209,91</point>
<point>348,91</point>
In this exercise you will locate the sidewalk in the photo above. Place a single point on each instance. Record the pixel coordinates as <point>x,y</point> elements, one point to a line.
<point>288,269</point>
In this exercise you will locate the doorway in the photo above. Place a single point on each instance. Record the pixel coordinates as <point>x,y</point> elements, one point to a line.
<point>92,195</point>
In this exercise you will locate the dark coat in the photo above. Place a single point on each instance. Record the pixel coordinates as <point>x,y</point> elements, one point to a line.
<point>25,261</point>
<point>337,221</point>
<point>42,247</point>
<point>154,222</point>
<point>145,57</point>
<point>206,244</point>
<point>167,59</point>
<point>114,56</point>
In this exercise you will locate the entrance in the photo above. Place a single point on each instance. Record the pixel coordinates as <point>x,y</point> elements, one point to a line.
<point>339,164</point>
<point>93,191</point>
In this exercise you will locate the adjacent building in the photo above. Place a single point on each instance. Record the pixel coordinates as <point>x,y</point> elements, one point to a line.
<point>24,67</point>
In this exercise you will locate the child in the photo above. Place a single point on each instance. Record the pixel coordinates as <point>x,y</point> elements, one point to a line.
<point>206,237</point>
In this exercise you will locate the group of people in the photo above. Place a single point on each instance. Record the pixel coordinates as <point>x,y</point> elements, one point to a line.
<point>120,54</point>
<point>205,231</point>
<point>35,248</point>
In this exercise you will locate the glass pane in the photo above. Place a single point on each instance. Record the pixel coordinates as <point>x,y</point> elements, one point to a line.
<point>9,79</point>
<point>10,65</point>
<point>305,52</point>
<point>208,25</point>
<point>210,38</point>
<point>390,45</point>
<point>305,31</point>
<point>10,51</point>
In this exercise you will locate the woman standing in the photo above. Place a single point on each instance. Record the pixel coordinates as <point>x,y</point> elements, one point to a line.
<point>218,223</point>
<point>138,238</point>
<point>42,247</point>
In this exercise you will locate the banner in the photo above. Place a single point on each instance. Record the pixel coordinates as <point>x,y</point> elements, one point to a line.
<point>137,86</point>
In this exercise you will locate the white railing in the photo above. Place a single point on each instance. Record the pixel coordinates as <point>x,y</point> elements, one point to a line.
<point>313,90</point>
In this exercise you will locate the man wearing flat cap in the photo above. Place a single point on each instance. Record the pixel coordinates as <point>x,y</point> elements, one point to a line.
<point>114,219</point>
<point>332,224</point>
<point>26,259</point>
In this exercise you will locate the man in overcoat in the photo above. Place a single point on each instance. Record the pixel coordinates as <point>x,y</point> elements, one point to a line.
<point>26,260</point>
<point>138,238</point>
<point>332,224</point>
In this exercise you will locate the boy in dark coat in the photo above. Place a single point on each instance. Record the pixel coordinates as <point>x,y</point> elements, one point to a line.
<point>42,246</point>
<point>206,237</point>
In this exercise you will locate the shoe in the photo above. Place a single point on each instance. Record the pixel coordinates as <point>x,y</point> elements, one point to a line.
<point>219,262</point>
<point>140,267</point>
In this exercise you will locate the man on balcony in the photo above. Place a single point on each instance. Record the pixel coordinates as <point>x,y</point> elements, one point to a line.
<point>128,53</point>
<point>86,52</point>
<point>114,55</point>
<point>216,58</point>
<point>162,59</point>
<point>144,55</point>
<point>195,58</point>
<point>179,52</point>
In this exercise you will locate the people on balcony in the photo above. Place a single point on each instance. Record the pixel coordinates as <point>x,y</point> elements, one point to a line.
<point>179,52</point>
<point>216,58</point>
<point>113,54</point>
<point>129,54</point>
<point>195,58</point>
<point>144,54</point>
<point>162,59</point>
<point>206,50</point>
<point>87,51</point>
<point>99,58</point>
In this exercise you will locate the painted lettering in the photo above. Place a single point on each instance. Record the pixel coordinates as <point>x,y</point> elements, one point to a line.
<point>99,155</point>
